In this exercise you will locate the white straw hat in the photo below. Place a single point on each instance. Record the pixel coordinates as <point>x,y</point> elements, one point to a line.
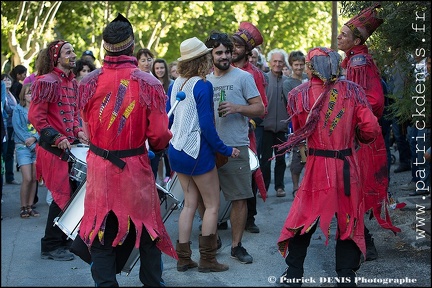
<point>192,48</point>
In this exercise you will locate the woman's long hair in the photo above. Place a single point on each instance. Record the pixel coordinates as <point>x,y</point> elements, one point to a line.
<point>165,78</point>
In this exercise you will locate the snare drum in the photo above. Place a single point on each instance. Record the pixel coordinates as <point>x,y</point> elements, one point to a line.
<point>253,160</point>
<point>70,218</point>
<point>79,166</point>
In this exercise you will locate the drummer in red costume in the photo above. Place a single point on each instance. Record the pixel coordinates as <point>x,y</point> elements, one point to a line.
<point>329,113</point>
<point>54,114</point>
<point>361,69</point>
<point>122,108</point>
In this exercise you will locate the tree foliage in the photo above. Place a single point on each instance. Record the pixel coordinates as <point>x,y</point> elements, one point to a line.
<point>161,26</point>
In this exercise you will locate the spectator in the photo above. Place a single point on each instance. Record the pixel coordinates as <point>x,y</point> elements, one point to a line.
<point>8,150</point>
<point>82,68</point>
<point>296,60</point>
<point>18,75</point>
<point>89,56</point>
<point>275,122</point>
<point>25,137</point>
<point>145,59</point>
<point>192,154</point>
<point>243,102</point>
<point>172,68</point>
<point>160,71</point>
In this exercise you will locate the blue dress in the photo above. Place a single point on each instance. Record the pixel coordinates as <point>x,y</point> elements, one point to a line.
<point>210,141</point>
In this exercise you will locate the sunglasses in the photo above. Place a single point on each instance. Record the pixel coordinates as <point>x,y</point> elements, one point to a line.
<point>218,36</point>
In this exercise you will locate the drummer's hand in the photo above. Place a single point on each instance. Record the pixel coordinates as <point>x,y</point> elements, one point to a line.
<point>235,153</point>
<point>82,137</point>
<point>64,144</point>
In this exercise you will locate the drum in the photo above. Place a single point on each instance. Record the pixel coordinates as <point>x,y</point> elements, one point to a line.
<point>253,160</point>
<point>79,167</point>
<point>70,218</point>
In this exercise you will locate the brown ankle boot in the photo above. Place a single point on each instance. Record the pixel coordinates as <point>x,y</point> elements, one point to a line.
<point>184,254</point>
<point>207,248</point>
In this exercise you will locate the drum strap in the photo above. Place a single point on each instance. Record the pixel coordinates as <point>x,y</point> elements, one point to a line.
<point>114,155</point>
<point>54,150</point>
<point>338,154</point>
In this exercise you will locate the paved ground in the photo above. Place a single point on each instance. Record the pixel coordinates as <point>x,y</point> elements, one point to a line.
<point>404,256</point>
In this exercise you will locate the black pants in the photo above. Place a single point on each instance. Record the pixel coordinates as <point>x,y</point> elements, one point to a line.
<point>54,237</point>
<point>268,141</point>
<point>347,258</point>
<point>251,204</point>
<point>103,267</point>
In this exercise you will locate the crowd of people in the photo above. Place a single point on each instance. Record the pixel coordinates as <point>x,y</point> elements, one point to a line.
<point>325,111</point>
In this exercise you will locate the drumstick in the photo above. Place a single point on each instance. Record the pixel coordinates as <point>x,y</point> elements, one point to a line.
<point>179,97</point>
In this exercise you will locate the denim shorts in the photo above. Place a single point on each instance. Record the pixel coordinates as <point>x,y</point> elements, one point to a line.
<point>24,155</point>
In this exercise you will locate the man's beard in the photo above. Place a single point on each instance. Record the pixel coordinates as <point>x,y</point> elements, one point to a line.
<point>239,58</point>
<point>222,66</point>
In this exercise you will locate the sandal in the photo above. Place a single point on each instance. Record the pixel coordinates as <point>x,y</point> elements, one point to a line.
<point>24,213</point>
<point>294,192</point>
<point>32,212</point>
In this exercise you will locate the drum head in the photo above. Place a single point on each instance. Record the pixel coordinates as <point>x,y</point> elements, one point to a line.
<point>253,160</point>
<point>80,151</point>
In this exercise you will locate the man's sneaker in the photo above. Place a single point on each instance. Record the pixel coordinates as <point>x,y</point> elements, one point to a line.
<point>60,254</point>
<point>252,227</point>
<point>241,254</point>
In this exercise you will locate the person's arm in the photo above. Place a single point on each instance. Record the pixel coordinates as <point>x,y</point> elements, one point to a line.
<point>203,93</point>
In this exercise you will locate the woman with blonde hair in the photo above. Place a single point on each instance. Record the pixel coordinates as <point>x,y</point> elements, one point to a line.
<point>192,151</point>
<point>25,137</point>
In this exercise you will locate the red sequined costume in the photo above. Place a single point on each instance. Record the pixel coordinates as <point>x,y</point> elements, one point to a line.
<point>130,193</point>
<point>361,69</point>
<point>54,106</point>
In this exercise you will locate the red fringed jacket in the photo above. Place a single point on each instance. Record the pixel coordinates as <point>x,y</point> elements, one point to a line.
<point>361,69</point>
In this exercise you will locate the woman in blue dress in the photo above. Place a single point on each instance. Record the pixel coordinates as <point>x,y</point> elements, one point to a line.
<point>192,152</point>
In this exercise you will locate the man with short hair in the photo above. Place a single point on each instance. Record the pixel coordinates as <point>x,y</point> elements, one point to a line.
<point>243,102</point>
<point>296,60</point>
<point>245,40</point>
<point>275,122</point>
